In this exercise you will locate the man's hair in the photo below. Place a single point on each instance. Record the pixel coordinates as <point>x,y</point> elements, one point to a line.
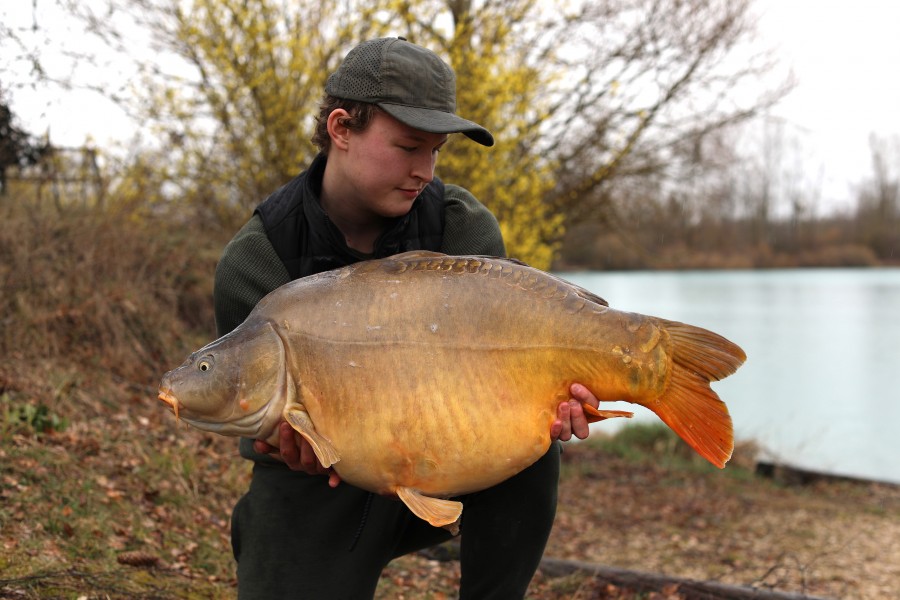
<point>360,115</point>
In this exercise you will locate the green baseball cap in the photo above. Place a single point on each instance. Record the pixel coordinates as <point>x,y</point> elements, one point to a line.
<point>410,83</point>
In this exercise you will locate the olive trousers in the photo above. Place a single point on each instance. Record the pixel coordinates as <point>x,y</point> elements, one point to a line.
<point>294,537</point>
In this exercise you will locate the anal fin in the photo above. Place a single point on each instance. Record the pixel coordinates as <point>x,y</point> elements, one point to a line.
<point>440,513</point>
<point>594,414</point>
<point>299,419</point>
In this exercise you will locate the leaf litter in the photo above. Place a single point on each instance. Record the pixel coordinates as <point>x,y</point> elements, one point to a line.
<point>133,491</point>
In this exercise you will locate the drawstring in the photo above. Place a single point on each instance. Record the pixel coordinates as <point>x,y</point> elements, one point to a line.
<point>362,523</point>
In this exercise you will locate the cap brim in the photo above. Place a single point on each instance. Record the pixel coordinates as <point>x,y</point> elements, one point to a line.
<point>437,121</point>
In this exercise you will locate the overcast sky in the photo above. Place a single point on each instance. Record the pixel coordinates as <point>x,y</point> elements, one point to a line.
<point>845,55</point>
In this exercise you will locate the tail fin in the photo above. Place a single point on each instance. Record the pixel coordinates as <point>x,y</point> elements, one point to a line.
<point>689,406</point>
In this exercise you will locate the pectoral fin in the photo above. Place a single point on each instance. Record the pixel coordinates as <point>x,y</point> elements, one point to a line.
<point>299,419</point>
<point>440,513</point>
<point>593,415</point>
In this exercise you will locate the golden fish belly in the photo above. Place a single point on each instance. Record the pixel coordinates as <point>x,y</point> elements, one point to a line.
<point>443,420</point>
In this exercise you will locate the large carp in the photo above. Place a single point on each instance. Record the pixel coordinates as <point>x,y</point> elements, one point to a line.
<point>429,376</point>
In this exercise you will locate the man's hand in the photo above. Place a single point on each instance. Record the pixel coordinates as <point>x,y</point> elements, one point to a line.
<point>570,419</point>
<point>296,453</point>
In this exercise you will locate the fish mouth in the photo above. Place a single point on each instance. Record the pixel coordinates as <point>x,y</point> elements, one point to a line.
<point>248,425</point>
<point>167,397</point>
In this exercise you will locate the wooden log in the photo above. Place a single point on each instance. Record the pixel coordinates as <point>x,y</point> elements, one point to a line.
<point>653,582</point>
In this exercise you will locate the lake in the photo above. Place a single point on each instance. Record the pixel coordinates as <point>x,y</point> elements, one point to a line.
<point>821,386</point>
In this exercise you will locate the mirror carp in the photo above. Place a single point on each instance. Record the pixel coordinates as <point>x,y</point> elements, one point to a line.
<point>428,376</point>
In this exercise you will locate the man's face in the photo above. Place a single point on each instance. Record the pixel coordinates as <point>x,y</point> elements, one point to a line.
<point>390,163</point>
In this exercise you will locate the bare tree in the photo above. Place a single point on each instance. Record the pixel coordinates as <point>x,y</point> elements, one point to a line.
<point>655,79</point>
<point>879,198</point>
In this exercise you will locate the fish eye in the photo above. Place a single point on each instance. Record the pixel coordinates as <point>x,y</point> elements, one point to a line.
<point>205,364</point>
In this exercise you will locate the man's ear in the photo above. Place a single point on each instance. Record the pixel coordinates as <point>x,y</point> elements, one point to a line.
<point>339,133</point>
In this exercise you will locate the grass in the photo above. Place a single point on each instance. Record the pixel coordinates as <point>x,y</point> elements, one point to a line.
<point>95,501</point>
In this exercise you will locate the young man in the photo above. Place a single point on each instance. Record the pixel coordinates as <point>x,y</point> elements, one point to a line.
<point>371,193</point>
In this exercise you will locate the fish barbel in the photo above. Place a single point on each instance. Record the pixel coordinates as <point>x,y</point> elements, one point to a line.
<point>428,376</point>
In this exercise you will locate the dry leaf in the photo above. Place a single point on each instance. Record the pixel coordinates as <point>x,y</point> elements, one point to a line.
<point>138,559</point>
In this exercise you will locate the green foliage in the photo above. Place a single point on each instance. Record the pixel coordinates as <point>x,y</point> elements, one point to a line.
<point>652,441</point>
<point>641,439</point>
<point>32,418</point>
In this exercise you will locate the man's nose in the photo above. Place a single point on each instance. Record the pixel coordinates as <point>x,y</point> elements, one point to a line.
<point>423,166</point>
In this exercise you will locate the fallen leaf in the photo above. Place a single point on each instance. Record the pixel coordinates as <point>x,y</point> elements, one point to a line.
<point>138,559</point>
